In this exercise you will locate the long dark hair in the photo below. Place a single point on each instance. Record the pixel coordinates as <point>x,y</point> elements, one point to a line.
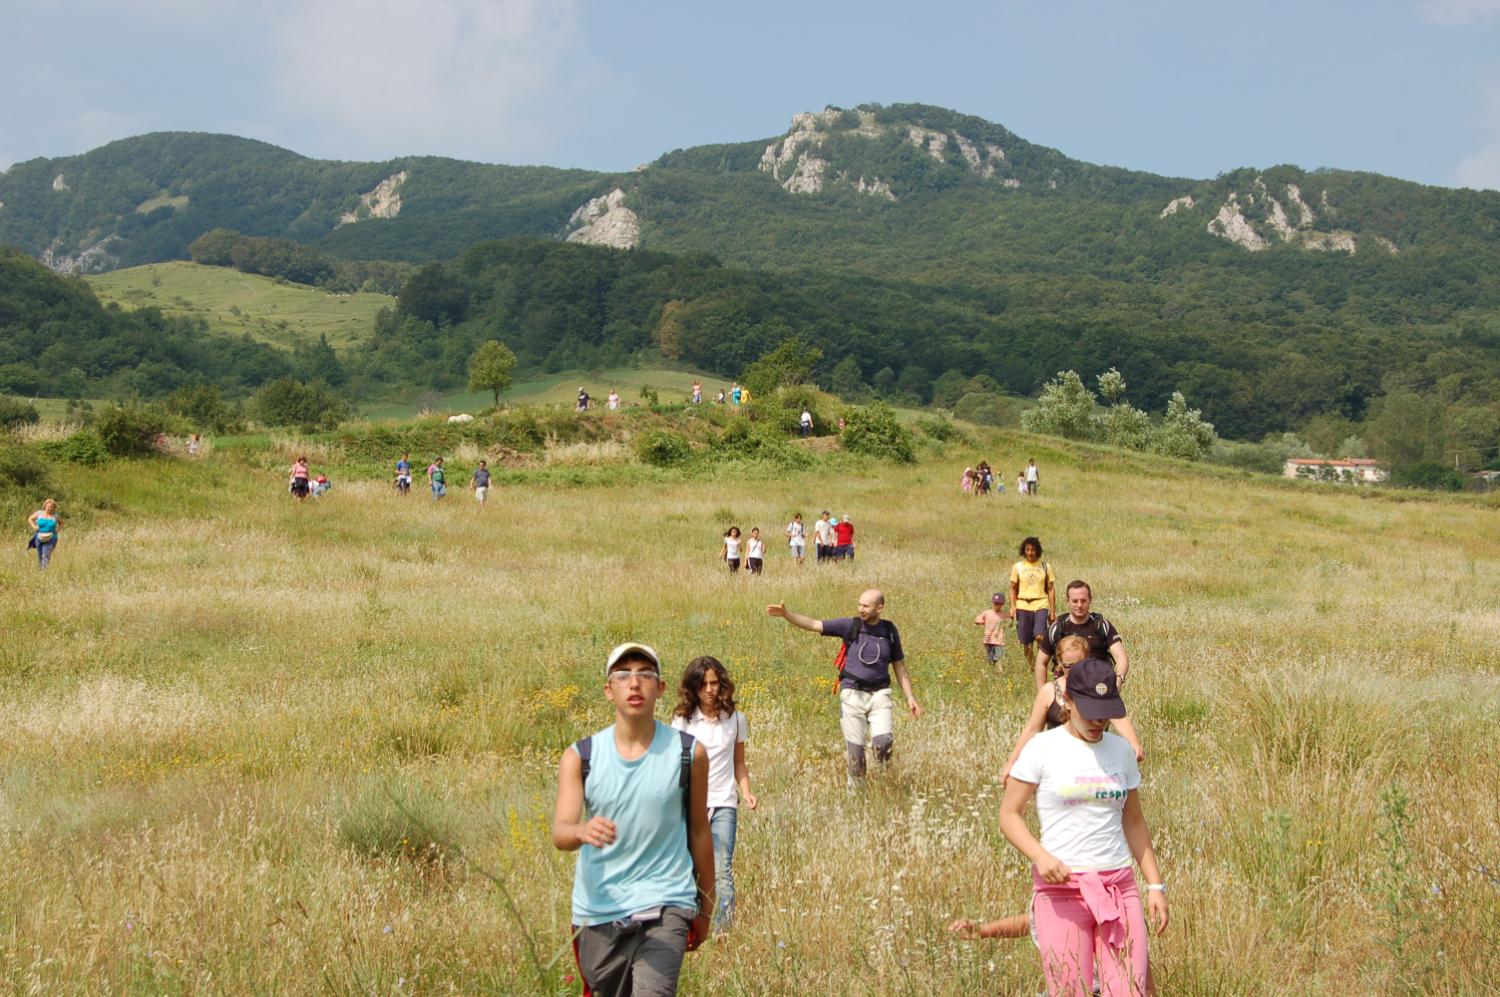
<point>692,684</point>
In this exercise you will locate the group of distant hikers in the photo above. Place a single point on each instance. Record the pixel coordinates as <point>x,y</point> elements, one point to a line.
<point>653,808</point>
<point>979,479</point>
<point>833,540</point>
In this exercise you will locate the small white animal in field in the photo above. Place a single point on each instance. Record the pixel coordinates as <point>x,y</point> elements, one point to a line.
<point>461,417</point>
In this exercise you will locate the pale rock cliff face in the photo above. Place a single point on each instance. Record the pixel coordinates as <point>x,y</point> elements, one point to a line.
<point>1185,203</point>
<point>58,183</point>
<point>794,161</point>
<point>605,221</point>
<point>382,202</point>
<point>1380,240</point>
<point>95,259</point>
<point>1230,222</point>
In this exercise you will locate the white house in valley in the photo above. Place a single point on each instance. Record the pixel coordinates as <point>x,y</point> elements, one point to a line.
<point>1357,470</point>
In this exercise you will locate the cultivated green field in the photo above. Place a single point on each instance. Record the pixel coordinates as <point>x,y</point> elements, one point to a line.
<point>235,303</point>
<point>261,747</point>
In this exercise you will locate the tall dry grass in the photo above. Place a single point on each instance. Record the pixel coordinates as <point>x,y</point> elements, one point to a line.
<point>254,746</point>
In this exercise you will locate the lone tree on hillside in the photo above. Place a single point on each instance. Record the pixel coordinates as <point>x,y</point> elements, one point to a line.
<point>490,368</point>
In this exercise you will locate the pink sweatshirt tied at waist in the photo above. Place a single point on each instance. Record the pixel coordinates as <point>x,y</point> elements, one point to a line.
<point>1101,893</point>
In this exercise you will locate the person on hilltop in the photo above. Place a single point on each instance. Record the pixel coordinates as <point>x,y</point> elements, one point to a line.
<point>1047,709</point>
<point>871,652</point>
<point>966,483</point>
<point>706,710</point>
<point>1021,483</point>
<point>994,620</point>
<point>632,800</point>
<point>480,482</point>
<point>437,478</point>
<point>843,539</point>
<point>1033,477</point>
<point>45,524</point>
<point>320,486</point>
<point>720,400</point>
<point>403,474</point>
<point>612,400</point>
<point>1103,639</point>
<point>796,534</point>
<point>730,552</point>
<point>985,477</point>
<point>805,421</point>
<point>299,486</point>
<point>755,551</point>
<point>735,394</point>
<point>823,535</point>
<point>1085,780</point>
<point>583,399</point>
<point>1033,597</point>
<point>697,392</point>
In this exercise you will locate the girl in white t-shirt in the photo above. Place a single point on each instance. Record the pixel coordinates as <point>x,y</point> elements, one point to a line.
<point>706,710</point>
<point>731,551</point>
<point>755,551</point>
<point>1085,903</point>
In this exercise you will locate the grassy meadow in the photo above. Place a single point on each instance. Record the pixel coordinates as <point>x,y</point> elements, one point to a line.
<point>561,388</point>
<point>261,747</point>
<point>236,304</point>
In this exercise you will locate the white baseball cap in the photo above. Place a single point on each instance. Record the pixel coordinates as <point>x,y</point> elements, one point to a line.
<point>643,650</point>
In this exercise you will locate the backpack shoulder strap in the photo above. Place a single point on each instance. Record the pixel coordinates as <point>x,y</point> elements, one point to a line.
<point>685,774</point>
<point>854,631</point>
<point>585,747</point>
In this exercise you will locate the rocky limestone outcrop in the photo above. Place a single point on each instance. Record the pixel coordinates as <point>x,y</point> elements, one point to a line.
<point>58,183</point>
<point>795,161</point>
<point>1179,204</point>
<point>94,259</point>
<point>1231,223</point>
<point>605,221</point>
<point>382,202</point>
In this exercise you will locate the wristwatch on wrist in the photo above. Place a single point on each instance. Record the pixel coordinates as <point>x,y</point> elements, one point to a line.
<point>1157,888</point>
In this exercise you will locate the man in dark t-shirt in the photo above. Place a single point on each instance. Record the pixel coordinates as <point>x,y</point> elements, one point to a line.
<point>1103,639</point>
<point>874,652</point>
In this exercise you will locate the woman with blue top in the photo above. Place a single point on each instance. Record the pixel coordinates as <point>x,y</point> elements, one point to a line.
<point>44,526</point>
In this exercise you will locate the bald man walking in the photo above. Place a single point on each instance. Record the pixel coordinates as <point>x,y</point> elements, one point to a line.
<point>873,651</point>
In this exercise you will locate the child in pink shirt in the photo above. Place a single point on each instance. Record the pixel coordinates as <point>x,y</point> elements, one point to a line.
<point>994,621</point>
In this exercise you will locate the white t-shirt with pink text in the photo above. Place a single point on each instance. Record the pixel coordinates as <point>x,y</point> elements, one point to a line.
<point>1080,796</point>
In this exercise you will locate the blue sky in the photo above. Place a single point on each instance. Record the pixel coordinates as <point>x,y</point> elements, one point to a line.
<point>1409,88</point>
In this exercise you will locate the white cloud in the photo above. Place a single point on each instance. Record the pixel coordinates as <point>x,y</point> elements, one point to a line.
<point>1481,170</point>
<point>468,77</point>
<point>1457,13</point>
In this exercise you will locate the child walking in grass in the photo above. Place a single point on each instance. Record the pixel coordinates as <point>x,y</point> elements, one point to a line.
<point>706,710</point>
<point>994,620</point>
<point>631,800</point>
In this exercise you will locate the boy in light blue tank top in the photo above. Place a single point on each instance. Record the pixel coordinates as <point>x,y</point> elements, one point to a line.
<point>644,885</point>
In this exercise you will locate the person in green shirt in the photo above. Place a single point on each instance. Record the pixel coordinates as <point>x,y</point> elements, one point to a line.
<point>437,478</point>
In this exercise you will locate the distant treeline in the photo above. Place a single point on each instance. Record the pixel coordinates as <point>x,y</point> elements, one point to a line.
<point>293,261</point>
<point>559,305</point>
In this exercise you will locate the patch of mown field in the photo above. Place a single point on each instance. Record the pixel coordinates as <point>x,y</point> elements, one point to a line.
<point>261,746</point>
<point>236,304</point>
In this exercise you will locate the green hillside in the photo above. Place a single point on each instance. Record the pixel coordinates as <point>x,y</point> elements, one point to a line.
<point>240,304</point>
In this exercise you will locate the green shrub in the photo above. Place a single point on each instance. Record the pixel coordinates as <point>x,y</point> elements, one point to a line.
<point>986,408</point>
<point>130,429</point>
<point>874,431</point>
<point>17,412</point>
<point>1429,474</point>
<point>289,402</point>
<point>83,447</point>
<point>663,448</point>
<point>22,469</point>
<point>942,429</point>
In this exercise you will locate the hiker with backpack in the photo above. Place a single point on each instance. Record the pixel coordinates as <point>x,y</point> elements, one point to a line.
<point>1085,901</point>
<point>870,652</point>
<point>706,710</point>
<point>1033,598</point>
<point>632,800</point>
<point>1103,639</point>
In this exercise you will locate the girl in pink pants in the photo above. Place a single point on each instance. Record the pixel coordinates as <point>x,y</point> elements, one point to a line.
<point>1086,905</point>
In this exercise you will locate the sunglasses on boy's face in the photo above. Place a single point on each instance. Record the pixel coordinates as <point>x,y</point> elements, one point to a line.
<point>624,675</point>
